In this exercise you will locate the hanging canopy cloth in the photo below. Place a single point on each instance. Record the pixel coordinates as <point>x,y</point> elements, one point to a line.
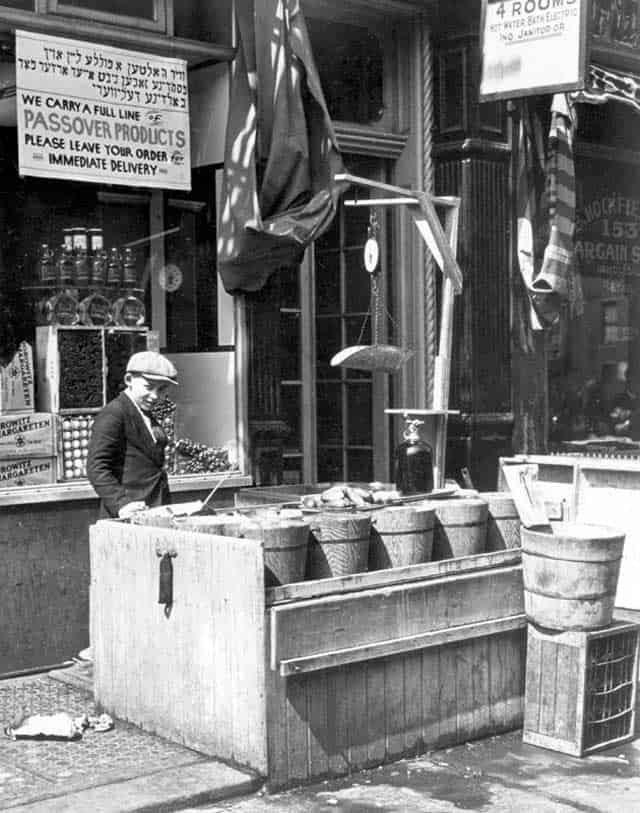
<point>546,212</point>
<point>281,155</point>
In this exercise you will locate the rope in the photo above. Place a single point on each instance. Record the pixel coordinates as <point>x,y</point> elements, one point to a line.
<point>430,303</point>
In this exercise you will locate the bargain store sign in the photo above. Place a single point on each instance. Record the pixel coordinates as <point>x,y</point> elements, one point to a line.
<point>90,112</point>
<point>532,46</point>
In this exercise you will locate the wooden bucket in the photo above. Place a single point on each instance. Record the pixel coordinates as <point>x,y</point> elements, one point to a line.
<point>571,576</point>
<point>285,544</point>
<point>401,535</point>
<point>221,524</point>
<point>503,522</point>
<point>460,527</point>
<point>338,544</point>
<point>159,517</point>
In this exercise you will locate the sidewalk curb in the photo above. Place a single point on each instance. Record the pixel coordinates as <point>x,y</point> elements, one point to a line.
<point>176,789</point>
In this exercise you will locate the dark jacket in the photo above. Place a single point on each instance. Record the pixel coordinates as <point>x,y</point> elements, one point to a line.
<point>124,463</point>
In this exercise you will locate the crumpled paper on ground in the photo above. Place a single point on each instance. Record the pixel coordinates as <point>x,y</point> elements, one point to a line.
<point>59,726</point>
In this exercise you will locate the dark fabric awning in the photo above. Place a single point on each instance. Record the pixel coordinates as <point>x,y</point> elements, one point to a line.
<point>281,155</point>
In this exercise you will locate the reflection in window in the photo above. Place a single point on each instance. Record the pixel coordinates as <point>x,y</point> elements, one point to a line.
<point>127,8</point>
<point>350,63</point>
<point>594,370</point>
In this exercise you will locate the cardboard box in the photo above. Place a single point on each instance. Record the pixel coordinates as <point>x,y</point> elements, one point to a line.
<point>32,435</point>
<point>16,382</point>
<point>28,471</point>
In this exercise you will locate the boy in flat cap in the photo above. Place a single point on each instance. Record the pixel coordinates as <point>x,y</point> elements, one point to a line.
<point>125,462</point>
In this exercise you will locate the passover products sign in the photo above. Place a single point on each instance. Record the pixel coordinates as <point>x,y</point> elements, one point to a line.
<point>89,112</point>
<point>532,46</point>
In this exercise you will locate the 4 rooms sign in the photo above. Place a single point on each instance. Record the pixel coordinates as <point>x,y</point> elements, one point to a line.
<point>90,112</point>
<point>532,46</point>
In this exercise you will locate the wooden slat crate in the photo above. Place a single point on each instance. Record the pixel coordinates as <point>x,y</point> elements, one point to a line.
<point>309,679</point>
<point>80,369</point>
<point>580,693</point>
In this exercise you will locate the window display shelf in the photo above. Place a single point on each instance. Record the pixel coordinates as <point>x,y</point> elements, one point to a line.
<point>82,490</point>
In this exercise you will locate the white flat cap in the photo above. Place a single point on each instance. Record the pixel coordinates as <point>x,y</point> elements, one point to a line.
<point>152,365</point>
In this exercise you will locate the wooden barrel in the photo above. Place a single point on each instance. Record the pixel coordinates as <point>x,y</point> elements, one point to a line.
<point>160,517</point>
<point>338,544</point>
<point>503,521</point>
<point>401,535</point>
<point>285,547</point>
<point>460,527</point>
<point>221,524</point>
<point>571,575</point>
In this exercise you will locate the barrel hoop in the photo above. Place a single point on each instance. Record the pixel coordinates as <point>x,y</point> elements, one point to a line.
<point>475,524</point>
<point>405,533</point>
<point>287,547</point>
<point>581,597</point>
<point>343,541</point>
<point>566,559</point>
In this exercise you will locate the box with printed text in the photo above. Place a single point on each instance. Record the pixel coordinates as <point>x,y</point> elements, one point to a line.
<point>28,435</point>
<point>16,382</point>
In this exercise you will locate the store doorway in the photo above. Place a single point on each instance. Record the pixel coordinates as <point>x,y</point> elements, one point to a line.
<point>338,429</point>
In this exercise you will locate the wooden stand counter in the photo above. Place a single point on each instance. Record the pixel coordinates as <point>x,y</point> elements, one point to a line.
<point>308,679</point>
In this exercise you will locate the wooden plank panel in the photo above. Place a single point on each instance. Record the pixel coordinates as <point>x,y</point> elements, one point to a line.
<point>375,712</point>
<point>394,701</point>
<point>464,690</point>
<point>297,730</point>
<point>516,660</point>
<point>318,588</point>
<point>276,712</point>
<point>303,628</point>
<point>413,710</point>
<point>211,644</point>
<point>431,688</point>
<point>318,724</point>
<point>384,649</point>
<point>497,682</point>
<point>448,696</point>
<point>338,693</point>
<point>548,689</point>
<point>480,687</point>
<point>357,715</point>
<point>566,693</point>
<point>532,684</point>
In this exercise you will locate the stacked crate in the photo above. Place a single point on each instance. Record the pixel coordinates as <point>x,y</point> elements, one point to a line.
<point>80,369</point>
<point>28,438</point>
<point>581,688</point>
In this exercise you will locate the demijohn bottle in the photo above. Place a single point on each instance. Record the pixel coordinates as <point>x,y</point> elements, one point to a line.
<point>414,462</point>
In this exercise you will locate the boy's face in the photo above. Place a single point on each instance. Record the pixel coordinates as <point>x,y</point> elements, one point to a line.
<point>145,391</point>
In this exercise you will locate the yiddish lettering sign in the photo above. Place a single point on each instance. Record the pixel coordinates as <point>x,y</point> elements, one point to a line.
<point>91,112</point>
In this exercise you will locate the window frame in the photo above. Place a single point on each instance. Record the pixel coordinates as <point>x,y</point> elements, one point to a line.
<point>161,23</point>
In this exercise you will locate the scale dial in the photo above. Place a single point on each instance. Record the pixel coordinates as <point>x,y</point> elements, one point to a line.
<point>371,254</point>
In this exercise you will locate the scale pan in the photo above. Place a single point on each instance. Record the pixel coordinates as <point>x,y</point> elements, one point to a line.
<point>383,357</point>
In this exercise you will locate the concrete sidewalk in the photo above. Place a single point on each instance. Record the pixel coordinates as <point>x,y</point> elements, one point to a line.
<point>498,774</point>
<point>118,771</point>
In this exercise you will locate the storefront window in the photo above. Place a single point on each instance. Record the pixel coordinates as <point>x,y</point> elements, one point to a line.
<point>25,5</point>
<point>594,367</point>
<point>145,9</point>
<point>350,64</point>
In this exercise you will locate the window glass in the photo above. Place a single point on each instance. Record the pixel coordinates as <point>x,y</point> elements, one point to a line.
<point>594,386</point>
<point>349,59</point>
<point>128,8</point>
<point>25,5</point>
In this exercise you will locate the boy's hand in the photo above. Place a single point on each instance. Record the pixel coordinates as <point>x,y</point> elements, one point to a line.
<point>131,508</point>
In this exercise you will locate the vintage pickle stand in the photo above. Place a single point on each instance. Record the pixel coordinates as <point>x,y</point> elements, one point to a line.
<point>313,678</point>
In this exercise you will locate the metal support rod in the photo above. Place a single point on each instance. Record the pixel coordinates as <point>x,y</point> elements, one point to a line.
<point>381,202</point>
